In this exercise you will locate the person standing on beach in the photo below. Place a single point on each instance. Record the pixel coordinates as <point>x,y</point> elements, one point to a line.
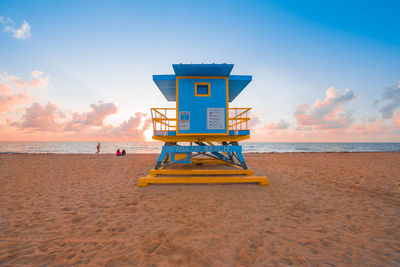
<point>98,148</point>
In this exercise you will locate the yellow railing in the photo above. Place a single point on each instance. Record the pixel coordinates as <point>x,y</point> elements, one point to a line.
<point>164,119</point>
<point>239,118</point>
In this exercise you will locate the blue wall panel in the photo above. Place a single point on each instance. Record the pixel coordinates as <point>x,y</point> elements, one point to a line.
<point>197,105</point>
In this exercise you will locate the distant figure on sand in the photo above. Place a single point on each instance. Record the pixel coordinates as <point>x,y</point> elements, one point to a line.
<point>123,152</point>
<point>118,152</point>
<point>98,148</point>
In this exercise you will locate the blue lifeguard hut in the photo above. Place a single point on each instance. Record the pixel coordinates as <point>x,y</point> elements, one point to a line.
<point>202,128</point>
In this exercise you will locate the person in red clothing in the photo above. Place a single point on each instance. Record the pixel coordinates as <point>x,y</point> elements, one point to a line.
<point>98,148</point>
<point>118,152</point>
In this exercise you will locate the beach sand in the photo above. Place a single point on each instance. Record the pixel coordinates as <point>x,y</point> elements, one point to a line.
<point>321,209</point>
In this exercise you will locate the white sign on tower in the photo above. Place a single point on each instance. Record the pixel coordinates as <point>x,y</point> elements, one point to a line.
<point>216,119</point>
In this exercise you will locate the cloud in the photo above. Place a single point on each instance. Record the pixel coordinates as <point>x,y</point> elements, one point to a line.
<point>99,113</point>
<point>40,80</point>
<point>281,125</point>
<point>15,92</point>
<point>134,127</point>
<point>22,32</point>
<point>28,118</point>
<point>374,127</point>
<point>9,99</point>
<point>390,95</point>
<point>327,114</point>
<point>7,20</point>
<point>396,120</point>
<point>92,118</point>
<point>90,125</point>
<point>254,118</point>
<point>41,118</point>
<point>328,121</point>
<point>50,117</point>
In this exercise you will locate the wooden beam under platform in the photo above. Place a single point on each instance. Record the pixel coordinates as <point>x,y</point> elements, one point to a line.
<point>145,181</point>
<point>155,172</point>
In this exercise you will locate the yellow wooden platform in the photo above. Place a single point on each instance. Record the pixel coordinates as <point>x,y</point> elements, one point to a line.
<point>201,138</point>
<point>201,176</point>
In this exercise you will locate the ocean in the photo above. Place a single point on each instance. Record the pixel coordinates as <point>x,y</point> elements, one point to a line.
<point>155,147</point>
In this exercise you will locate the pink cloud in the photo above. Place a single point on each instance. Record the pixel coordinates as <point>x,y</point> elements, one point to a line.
<point>396,119</point>
<point>41,118</point>
<point>40,80</point>
<point>387,130</point>
<point>99,113</point>
<point>15,93</point>
<point>327,114</point>
<point>376,127</point>
<point>9,99</point>
<point>380,126</point>
<point>95,117</point>
<point>281,125</point>
<point>134,127</point>
<point>50,119</point>
<point>328,121</point>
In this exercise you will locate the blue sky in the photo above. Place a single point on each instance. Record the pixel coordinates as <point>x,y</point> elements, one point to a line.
<point>108,51</point>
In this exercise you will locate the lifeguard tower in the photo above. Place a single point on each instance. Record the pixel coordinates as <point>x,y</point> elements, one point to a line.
<point>202,130</point>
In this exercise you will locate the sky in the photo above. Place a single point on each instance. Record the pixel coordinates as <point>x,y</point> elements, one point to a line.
<point>323,71</point>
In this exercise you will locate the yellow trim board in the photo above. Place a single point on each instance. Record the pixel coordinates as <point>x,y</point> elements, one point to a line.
<point>145,181</point>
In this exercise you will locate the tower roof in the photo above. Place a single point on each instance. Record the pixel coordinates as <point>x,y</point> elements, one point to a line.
<point>167,83</point>
<point>220,70</point>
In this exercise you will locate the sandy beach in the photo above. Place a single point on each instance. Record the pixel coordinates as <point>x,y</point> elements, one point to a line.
<point>321,209</point>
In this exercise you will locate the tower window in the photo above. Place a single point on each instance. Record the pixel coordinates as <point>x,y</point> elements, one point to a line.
<point>202,89</point>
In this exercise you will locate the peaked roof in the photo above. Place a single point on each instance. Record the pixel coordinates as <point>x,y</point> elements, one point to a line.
<point>167,83</point>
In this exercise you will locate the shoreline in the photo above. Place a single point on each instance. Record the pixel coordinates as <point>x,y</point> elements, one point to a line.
<point>155,148</point>
<point>244,153</point>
